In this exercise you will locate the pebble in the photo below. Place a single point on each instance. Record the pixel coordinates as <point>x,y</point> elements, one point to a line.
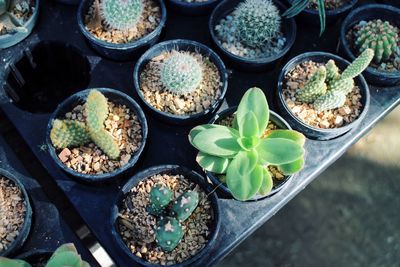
<point>64,154</point>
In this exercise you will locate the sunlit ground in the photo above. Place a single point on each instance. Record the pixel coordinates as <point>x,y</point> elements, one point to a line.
<point>349,216</point>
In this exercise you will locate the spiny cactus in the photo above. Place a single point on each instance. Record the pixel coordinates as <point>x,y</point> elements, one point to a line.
<point>257,22</point>
<point>68,133</point>
<point>160,197</point>
<point>314,87</point>
<point>96,110</point>
<point>332,71</point>
<point>121,14</point>
<point>181,73</point>
<point>185,204</point>
<point>168,233</point>
<point>378,35</point>
<point>359,64</point>
<point>106,142</point>
<point>65,255</point>
<point>330,100</point>
<point>344,86</point>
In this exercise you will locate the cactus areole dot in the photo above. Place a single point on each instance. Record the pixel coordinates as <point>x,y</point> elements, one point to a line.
<point>121,14</point>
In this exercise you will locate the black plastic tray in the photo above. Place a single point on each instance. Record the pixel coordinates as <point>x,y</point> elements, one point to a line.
<point>168,144</point>
<point>48,230</point>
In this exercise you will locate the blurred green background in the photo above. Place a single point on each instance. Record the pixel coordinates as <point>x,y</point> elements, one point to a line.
<point>349,216</point>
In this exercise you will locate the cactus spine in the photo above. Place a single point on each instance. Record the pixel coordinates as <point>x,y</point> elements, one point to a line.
<point>121,14</point>
<point>160,197</point>
<point>181,73</point>
<point>378,35</point>
<point>257,22</point>
<point>68,133</point>
<point>338,85</point>
<point>314,87</point>
<point>168,233</point>
<point>185,204</point>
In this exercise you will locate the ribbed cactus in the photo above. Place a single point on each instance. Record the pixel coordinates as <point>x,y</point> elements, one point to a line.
<point>65,255</point>
<point>168,233</point>
<point>332,71</point>
<point>160,197</point>
<point>314,87</point>
<point>181,73</point>
<point>185,204</point>
<point>68,133</point>
<point>338,85</point>
<point>121,14</point>
<point>378,35</point>
<point>257,22</point>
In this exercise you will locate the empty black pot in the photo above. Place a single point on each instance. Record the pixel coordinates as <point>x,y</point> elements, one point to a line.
<point>121,52</point>
<point>79,98</point>
<point>26,226</point>
<point>173,170</point>
<point>181,45</point>
<point>366,13</point>
<point>222,188</point>
<point>192,8</point>
<point>297,123</point>
<point>288,28</point>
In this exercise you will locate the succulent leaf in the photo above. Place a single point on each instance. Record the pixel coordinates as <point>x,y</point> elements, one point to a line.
<point>160,197</point>
<point>213,163</point>
<point>5,262</point>
<point>267,183</point>
<point>168,233</point>
<point>185,204</point>
<point>277,151</point>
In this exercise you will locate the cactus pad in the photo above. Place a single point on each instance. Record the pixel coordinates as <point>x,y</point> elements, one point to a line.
<point>160,197</point>
<point>332,71</point>
<point>181,73</point>
<point>168,233</point>
<point>185,204</point>
<point>258,22</point>
<point>121,14</point>
<point>330,100</point>
<point>314,87</point>
<point>359,64</point>
<point>105,141</point>
<point>68,133</point>
<point>96,110</point>
<point>378,35</point>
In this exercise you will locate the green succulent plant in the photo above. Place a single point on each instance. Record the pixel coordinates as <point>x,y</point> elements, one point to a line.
<point>243,153</point>
<point>300,5</point>
<point>185,204</point>
<point>380,36</point>
<point>8,19</point>
<point>169,233</point>
<point>71,133</point>
<point>338,86</point>
<point>121,14</point>
<point>257,22</point>
<point>65,255</point>
<point>181,73</point>
<point>160,197</point>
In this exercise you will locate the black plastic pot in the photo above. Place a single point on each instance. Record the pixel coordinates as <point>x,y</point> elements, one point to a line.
<point>390,2</point>
<point>222,188</point>
<point>79,98</point>
<point>8,40</point>
<point>35,257</point>
<point>26,226</point>
<point>192,8</point>
<point>181,45</point>
<point>69,2</point>
<point>174,170</point>
<point>121,52</point>
<point>370,12</point>
<point>297,123</point>
<point>311,16</point>
<point>250,65</point>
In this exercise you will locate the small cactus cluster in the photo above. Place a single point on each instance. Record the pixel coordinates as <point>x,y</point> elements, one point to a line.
<point>169,230</point>
<point>257,22</point>
<point>380,36</point>
<point>121,14</point>
<point>327,89</point>
<point>70,133</point>
<point>65,255</point>
<point>181,73</point>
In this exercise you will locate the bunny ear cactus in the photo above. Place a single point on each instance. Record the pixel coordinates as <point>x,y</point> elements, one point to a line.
<point>332,71</point>
<point>160,197</point>
<point>65,255</point>
<point>121,14</point>
<point>258,22</point>
<point>185,204</point>
<point>169,233</point>
<point>68,133</point>
<point>181,73</point>
<point>242,154</point>
<point>314,88</point>
<point>380,36</point>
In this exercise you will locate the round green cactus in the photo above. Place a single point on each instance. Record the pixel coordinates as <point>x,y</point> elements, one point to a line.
<point>378,35</point>
<point>121,14</point>
<point>257,22</point>
<point>185,204</point>
<point>160,197</point>
<point>181,73</point>
<point>314,87</point>
<point>169,233</point>
<point>68,133</point>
